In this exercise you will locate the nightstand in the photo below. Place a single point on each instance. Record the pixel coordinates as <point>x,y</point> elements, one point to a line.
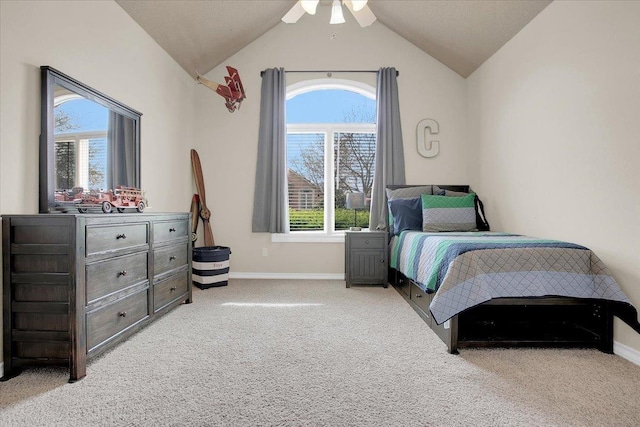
<point>366,258</point>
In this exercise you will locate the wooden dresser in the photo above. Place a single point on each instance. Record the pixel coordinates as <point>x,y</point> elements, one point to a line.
<point>76,285</point>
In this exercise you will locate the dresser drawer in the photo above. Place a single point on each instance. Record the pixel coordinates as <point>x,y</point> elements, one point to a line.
<point>368,242</point>
<point>170,257</point>
<point>108,321</point>
<point>422,299</point>
<point>170,289</point>
<point>107,277</point>
<point>115,237</point>
<point>33,349</point>
<point>166,231</point>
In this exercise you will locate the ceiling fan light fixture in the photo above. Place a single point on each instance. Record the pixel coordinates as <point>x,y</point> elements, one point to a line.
<point>358,4</point>
<point>310,6</point>
<point>336,13</point>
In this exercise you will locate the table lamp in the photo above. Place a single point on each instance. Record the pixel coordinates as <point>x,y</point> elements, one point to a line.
<point>355,201</point>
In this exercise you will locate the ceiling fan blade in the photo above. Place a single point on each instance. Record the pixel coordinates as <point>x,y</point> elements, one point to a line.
<point>294,14</point>
<point>364,16</point>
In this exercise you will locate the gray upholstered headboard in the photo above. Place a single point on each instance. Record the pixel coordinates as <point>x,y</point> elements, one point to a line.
<point>461,188</point>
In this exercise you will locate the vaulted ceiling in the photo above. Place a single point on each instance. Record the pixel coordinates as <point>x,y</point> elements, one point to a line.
<point>462,34</point>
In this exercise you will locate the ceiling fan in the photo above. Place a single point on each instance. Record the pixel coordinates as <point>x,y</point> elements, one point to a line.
<point>358,9</point>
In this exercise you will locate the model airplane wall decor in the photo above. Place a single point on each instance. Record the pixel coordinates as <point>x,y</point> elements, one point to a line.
<point>233,92</point>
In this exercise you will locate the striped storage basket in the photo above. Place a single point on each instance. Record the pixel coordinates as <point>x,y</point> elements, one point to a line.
<point>210,266</point>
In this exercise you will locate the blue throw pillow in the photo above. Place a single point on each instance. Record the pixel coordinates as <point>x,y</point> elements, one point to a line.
<point>406,213</point>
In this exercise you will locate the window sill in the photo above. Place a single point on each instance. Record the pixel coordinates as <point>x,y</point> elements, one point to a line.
<point>302,237</point>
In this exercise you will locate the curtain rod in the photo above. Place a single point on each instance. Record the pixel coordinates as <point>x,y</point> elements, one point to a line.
<point>331,71</point>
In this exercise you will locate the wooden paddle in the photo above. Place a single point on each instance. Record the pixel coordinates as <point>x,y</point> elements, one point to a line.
<point>205,213</point>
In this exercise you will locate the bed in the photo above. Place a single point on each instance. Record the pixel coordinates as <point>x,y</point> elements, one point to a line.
<point>480,288</point>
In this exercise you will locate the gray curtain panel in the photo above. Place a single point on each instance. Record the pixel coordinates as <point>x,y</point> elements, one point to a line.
<point>121,151</point>
<point>270,197</point>
<point>389,169</point>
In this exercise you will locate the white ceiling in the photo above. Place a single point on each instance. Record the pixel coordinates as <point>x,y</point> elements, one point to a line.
<point>462,34</point>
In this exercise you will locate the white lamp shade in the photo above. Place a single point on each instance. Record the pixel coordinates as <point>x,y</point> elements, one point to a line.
<point>310,6</point>
<point>356,201</point>
<point>358,4</point>
<point>336,13</point>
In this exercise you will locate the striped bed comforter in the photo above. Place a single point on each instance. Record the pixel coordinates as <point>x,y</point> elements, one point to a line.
<point>469,268</point>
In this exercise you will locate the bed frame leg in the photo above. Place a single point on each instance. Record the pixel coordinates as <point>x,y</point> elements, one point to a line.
<point>606,340</point>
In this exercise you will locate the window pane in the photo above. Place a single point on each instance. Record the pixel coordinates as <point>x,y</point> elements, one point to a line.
<point>331,106</point>
<point>305,179</point>
<point>65,165</point>
<point>354,154</point>
<point>97,157</point>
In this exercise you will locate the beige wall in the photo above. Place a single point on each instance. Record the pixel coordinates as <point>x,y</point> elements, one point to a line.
<point>97,43</point>
<point>101,46</point>
<point>227,142</point>
<point>555,120</point>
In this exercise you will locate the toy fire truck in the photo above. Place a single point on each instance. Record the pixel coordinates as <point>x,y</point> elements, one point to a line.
<point>121,198</point>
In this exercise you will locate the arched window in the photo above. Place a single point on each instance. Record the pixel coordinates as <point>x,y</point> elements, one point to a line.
<point>331,137</point>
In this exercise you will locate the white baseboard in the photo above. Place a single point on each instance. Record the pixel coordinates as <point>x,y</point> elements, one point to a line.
<point>626,352</point>
<point>295,276</point>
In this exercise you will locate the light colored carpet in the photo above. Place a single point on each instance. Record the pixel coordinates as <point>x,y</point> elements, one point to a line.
<point>313,353</point>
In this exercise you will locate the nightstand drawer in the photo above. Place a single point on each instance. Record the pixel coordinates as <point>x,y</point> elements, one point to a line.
<point>367,242</point>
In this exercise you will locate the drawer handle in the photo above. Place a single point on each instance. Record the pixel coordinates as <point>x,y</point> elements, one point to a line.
<point>122,314</point>
<point>173,288</point>
<point>418,295</point>
<point>172,230</point>
<point>121,236</point>
<point>122,273</point>
<point>366,242</point>
<point>382,261</point>
<point>172,257</point>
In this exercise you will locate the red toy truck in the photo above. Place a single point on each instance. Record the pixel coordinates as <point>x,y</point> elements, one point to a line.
<point>121,198</point>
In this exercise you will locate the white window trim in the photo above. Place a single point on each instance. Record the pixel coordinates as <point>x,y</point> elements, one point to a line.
<point>308,237</point>
<point>330,235</point>
<point>329,130</point>
<point>299,88</point>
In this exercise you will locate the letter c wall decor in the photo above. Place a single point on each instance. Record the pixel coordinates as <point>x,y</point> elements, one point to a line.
<point>434,146</point>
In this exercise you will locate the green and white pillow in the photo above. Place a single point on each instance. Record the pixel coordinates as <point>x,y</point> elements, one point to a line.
<point>443,213</point>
